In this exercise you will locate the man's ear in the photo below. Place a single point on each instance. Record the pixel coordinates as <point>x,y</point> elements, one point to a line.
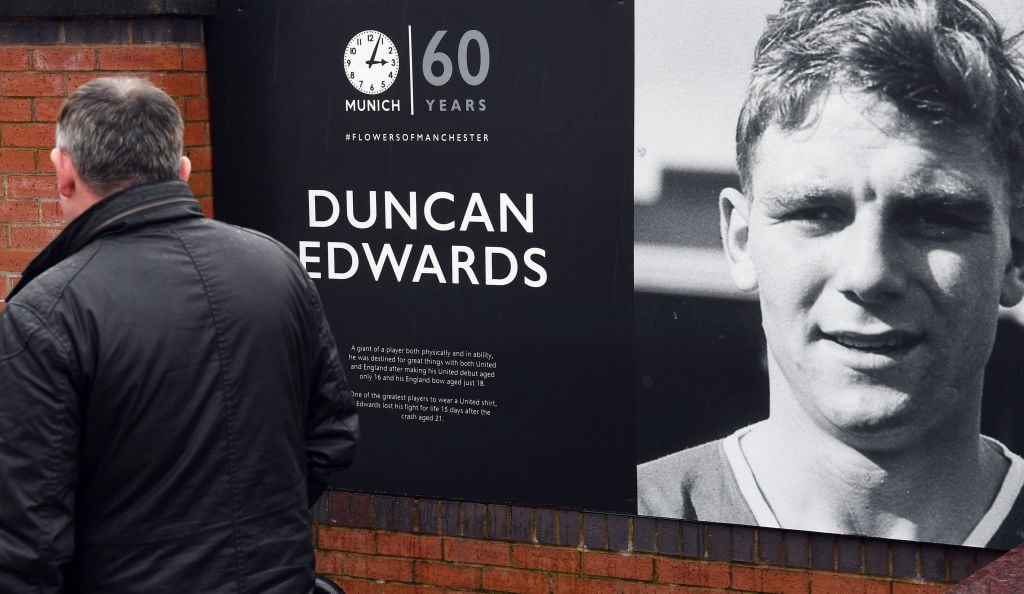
<point>734,213</point>
<point>67,178</point>
<point>185,168</point>
<point>1013,277</point>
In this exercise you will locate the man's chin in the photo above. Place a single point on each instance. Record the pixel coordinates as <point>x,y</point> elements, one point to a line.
<point>873,420</point>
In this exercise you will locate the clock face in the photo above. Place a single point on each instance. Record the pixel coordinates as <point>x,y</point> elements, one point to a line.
<point>371,62</point>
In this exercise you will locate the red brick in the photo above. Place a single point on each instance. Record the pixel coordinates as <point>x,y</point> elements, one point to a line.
<point>546,558</point>
<point>517,581</point>
<point>475,551</point>
<point>175,85</point>
<point>32,236</point>
<point>31,186</point>
<point>844,584</point>
<point>77,79</point>
<point>632,567</point>
<point>14,58</point>
<point>193,58</point>
<point>197,108</point>
<point>19,211</point>
<point>572,585</point>
<point>6,285</point>
<point>46,110</point>
<point>206,204</point>
<point>15,110</point>
<point>140,58</point>
<point>50,211</point>
<point>445,574</point>
<point>32,85</point>
<point>12,279</point>
<point>346,539</point>
<point>409,545</point>
<point>409,589</point>
<point>15,260</point>
<point>380,568</point>
<point>352,586</point>
<point>330,562</point>
<point>906,588</point>
<point>64,58</point>
<point>201,157</point>
<point>693,573</point>
<point>769,581</point>
<point>201,183</point>
<point>29,135</point>
<point>197,133</point>
<point>182,104</point>
<point>43,162</point>
<point>645,588</point>
<point>13,161</point>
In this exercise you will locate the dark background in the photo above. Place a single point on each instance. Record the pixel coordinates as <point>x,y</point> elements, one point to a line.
<point>559,117</point>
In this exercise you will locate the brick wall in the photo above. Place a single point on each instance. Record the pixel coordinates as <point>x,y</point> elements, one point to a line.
<point>374,544</point>
<point>386,545</point>
<point>41,61</point>
<point>1004,576</point>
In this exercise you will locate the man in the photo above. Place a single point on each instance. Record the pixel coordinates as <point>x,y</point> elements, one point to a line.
<point>881,156</point>
<point>172,396</point>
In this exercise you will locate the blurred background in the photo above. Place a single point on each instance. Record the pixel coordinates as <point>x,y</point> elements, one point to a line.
<point>699,369</point>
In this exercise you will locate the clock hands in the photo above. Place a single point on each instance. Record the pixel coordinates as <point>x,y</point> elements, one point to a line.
<point>373,56</point>
<point>359,66</point>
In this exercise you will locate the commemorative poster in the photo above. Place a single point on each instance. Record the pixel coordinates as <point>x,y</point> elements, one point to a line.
<point>455,176</point>
<point>511,212</point>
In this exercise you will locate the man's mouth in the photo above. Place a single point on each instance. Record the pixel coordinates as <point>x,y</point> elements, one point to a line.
<point>890,342</point>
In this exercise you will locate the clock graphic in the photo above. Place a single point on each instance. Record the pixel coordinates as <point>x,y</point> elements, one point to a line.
<point>371,62</point>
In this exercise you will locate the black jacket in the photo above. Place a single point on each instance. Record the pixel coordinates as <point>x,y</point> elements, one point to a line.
<point>168,384</point>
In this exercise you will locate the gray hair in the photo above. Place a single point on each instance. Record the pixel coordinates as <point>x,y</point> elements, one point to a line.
<point>121,132</point>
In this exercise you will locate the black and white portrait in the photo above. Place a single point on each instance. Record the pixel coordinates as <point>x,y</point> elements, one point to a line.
<point>825,317</point>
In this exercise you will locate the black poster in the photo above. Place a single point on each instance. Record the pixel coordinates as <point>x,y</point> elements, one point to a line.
<point>456,177</point>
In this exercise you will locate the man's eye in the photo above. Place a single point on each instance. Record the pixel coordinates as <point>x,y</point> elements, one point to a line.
<point>817,217</point>
<point>818,214</point>
<point>941,224</point>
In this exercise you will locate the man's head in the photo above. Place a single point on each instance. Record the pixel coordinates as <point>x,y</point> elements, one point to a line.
<point>881,185</point>
<point>114,133</point>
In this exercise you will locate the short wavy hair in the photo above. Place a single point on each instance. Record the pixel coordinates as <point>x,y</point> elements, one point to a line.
<point>941,62</point>
<point>119,132</point>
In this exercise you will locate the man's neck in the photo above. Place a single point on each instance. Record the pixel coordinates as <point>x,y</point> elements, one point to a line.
<point>813,480</point>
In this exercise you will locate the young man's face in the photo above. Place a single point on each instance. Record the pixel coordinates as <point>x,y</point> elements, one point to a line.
<point>881,250</point>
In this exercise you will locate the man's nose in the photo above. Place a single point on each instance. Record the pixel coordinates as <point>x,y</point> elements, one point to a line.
<point>868,261</point>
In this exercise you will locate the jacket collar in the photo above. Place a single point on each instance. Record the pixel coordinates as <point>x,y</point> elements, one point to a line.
<point>122,211</point>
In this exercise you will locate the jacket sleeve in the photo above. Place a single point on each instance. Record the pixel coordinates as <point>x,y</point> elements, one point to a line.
<point>39,436</point>
<point>332,429</point>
